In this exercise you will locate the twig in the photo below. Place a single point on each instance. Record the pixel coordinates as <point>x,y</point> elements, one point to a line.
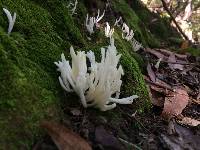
<point>130,144</point>
<point>174,20</point>
<point>132,116</point>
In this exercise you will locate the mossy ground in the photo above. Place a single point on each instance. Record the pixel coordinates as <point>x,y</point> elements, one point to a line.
<point>30,91</point>
<point>192,51</point>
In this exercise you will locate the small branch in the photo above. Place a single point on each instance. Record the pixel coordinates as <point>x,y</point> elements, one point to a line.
<point>129,144</point>
<point>174,20</point>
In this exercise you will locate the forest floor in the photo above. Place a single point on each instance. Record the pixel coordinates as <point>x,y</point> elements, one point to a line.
<point>173,122</point>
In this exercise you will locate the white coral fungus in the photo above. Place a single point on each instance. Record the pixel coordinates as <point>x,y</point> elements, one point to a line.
<point>135,44</point>
<point>157,65</point>
<point>108,31</point>
<point>129,36</point>
<point>95,84</point>
<point>10,19</point>
<point>73,5</point>
<point>92,21</point>
<point>128,33</point>
<point>117,21</point>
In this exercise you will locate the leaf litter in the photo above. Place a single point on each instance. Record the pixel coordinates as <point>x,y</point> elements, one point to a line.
<point>183,77</point>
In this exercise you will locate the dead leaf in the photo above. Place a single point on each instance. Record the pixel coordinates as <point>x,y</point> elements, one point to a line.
<point>164,84</point>
<point>156,53</point>
<point>151,73</point>
<point>168,52</point>
<point>171,128</point>
<point>157,99</point>
<point>150,142</point>
<point>182,139</point>
<point>159,83</point>
<point>198,96</point>
<point>178,66</point>
<point>64,138</point>
<point>107,139</point>
<point>161,90</point>
<point>172,63</point>
<point>196,101</point>
<point>189,121</point>
<point>175,103</point>
<point>171,58</point>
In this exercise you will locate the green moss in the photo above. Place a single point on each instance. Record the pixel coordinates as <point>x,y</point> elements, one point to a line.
<point>29,88</point>
<point>193,51</point>
<point>176,41</point>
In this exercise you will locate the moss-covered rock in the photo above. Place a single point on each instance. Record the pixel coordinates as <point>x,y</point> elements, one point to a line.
<point>29,88</point>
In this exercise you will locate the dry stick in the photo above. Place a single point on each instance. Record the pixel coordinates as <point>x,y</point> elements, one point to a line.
<point>140,124</point>
<point>129,143</point>
<point>172,17</point>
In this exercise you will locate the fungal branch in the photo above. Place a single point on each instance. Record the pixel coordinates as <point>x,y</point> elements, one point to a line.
<point>108,30</point>
<point>11,19</point>
<point>74,6</point>
<point>93,21</point>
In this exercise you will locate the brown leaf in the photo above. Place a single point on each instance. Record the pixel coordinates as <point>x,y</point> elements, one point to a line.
<point>151,73</point>
<point>189,121</point>
<point>156,53</point>
<point>182,139</point>
<point>107,139</point>
<point>64,138</point>
<point>171,128</point>
<point>172,63</point>
<point>164,84</point>
<point>157,99</point>
<point>168,52</point>
<point>161,90</point>
<point>159,83</point>
<point>175,103</point>
<point>158,95</point>
<point>198,96</point>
